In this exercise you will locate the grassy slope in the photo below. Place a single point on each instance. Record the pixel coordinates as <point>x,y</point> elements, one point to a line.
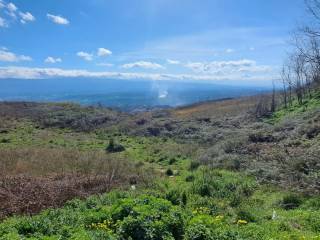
<point>195,203</point>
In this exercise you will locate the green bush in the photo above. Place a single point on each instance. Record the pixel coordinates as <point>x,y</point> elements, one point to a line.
<point>148,218</point>
<point>291,201</point>
<point>246,215</point>
<point>222,185</point>
<point>194,165</point>
<point>169,172</point>
<point>114,148</point>
<point>190,178</point>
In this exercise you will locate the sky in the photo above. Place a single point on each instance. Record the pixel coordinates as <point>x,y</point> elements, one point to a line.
<point>220,41</point>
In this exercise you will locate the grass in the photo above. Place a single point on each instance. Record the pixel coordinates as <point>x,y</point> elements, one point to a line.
<point>184,210</point>
<point>295,109</point>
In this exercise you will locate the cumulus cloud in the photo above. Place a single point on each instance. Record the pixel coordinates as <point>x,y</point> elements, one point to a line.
<point>173,62</point>
<point>103,52</point>
<point>143,64</point>
<point>26,17</point>
<point>11,7</point>
<point>52,60</point>
<point>86,56</point>
<point>58,19</point>
<point>6,56</point>
<point>12,14</point>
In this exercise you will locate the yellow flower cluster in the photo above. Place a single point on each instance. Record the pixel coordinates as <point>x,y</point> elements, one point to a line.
<point>218,218</point>
<point>102,226</point>
<point>242,222</point>
<point>201,210</point>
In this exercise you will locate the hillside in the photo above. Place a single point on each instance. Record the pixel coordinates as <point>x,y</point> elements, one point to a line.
<point>207,171</point>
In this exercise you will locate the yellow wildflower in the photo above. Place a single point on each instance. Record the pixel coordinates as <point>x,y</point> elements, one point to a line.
<point>242,222</point>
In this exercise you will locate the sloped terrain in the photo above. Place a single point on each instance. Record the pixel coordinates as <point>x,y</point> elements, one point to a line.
<point>208,171</point>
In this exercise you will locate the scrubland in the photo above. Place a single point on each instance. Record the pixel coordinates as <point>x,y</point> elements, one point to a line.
<point>209,171</point>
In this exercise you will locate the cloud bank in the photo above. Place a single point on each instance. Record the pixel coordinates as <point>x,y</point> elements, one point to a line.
<point>44,73</point>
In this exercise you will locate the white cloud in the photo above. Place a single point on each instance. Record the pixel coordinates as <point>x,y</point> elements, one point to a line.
<point>233,69</point>
<point>58,19</point>
<point>52,60</point>
<point>43,73</point>
<point>1,4</point>
<point>252,49</point>
<point>173,62</point>
<point>86,56</point>
<point>217,66</point>
<point>11,7</point>
<point>3,22</point>
<point>103,52</point>
<point>26,17</point>
<point>105,64</point>
<point>12,14</point>
<point>230,50</point>
<point>6,56</point>
<point>143,64</point>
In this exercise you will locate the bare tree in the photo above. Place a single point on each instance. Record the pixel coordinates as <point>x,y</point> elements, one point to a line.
<point>273,100</point>
<point>285,77</point>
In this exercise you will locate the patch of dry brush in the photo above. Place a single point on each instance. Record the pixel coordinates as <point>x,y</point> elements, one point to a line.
<point>34,179</point>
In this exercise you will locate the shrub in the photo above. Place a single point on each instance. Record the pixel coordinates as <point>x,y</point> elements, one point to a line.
<point>172,161</point>
<point>205,227</point>
<point>224,185</point>
<point>190,178</point>
<point>149,218</point>
<point>246,215</point>
<point>194,165</point>
<point>114,148</point>
<point>173,196</point>
<point>169,172</point>
<point>291,201</point>
<point>260,137</point>
<point>5,140</point>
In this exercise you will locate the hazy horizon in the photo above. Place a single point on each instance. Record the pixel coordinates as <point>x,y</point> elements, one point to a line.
<point>123,94</point>
<point>240,44</point>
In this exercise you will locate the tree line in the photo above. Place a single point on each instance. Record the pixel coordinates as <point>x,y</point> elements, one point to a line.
<point>300,73</point>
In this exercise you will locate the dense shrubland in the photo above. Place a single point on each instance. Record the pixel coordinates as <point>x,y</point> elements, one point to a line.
<point>215,205</point>
<point>188,173</point>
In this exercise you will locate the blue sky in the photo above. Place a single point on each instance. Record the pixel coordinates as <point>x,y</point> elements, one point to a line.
<point>224,41</point>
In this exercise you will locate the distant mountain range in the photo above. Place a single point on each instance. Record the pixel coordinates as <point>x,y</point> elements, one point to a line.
<point>123,94</point>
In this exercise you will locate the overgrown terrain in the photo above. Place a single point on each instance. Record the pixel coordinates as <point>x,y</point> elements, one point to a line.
<point>208,171</point>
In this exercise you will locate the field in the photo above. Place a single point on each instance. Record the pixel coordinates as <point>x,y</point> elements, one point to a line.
<point>208,171</point>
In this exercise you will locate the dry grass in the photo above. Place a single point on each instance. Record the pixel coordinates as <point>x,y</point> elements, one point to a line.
<point>217,109</point>
<point>33,179</point>
<point>42,161</point>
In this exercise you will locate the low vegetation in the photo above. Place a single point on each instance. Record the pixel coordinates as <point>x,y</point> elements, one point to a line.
<point>214,205</point>
<point>207,171</point>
